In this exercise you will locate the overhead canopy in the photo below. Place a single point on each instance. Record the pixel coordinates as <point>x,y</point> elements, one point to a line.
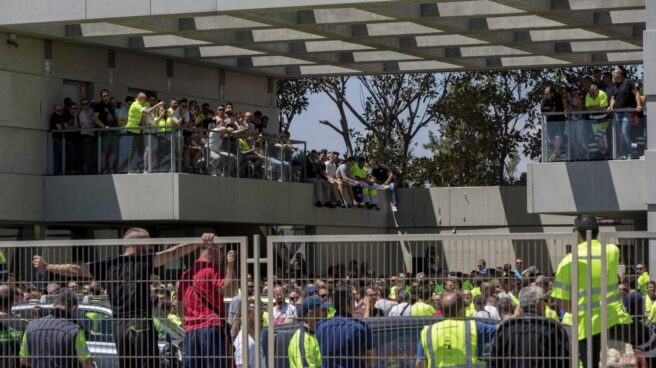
<point>290,38</point>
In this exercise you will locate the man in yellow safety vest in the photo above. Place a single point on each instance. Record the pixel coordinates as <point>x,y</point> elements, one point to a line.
<point>455,341</point>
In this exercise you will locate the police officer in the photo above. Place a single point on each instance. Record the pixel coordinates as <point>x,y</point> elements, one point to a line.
<point>620,324</point>
<point>454,342</point>
<point>55,341</point>
<point>304,348</point>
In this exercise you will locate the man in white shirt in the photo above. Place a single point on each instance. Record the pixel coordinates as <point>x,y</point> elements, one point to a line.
<point>343,187</point>
<point>238,343</point>
<point>283,312</point>
<point>403,308</point>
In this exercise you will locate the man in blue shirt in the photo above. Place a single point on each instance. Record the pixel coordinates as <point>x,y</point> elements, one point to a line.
<point>453,307</point>
<point>345,342</point>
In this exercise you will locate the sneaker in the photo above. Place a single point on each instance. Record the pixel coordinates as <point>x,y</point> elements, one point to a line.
<point>394,208</point>
<point>318,204</point>
<point>329,205</point>
<point>375,207</point>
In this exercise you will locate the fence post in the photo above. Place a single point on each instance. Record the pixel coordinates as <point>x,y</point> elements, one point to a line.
<point>604,303</point>
<point>574,284</point>
<point>271,349</point>
<point>588,295</point>
<point>243,295</point>
<point>257,282</point>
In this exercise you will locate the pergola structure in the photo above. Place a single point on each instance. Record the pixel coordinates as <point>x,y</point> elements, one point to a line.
<point>291,38</point>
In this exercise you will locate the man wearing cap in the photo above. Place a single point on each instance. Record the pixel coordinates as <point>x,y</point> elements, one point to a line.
<point>531,340</point>
<point>303,348</point>
<point>344,341</point>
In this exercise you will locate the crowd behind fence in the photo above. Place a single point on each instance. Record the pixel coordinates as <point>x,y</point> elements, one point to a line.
<point>387,288</point>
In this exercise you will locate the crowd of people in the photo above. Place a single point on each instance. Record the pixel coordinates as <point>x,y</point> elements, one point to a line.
<point>506,303</point>
<point>145,134</point>
<point>600,119</point>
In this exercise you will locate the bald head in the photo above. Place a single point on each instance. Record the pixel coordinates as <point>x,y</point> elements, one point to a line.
<point>453,305</point>
<point>137,233</point>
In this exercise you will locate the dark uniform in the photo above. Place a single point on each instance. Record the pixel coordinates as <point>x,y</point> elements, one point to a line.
<point>11,333</point>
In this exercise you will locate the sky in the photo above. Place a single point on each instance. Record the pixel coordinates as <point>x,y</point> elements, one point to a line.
<point>306,127</point>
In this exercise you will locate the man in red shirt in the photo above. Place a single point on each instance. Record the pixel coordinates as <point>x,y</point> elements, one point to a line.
<point>201,291</point>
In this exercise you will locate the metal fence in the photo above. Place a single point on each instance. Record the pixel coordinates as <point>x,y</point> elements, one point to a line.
<point>392,285</point>
<point>120,303</point>
<point>593,135</point>
<point>173,149</point>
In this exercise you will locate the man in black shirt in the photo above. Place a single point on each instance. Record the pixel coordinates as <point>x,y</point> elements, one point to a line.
<point>315,174</point>
<point>57,130</point>
<point>531,340</point>
<point>623,95</point>
<point>11,329</point>
<point>104,117</point>
<point>384,179</point>
<point>552,103</point>
<point>127,278</point>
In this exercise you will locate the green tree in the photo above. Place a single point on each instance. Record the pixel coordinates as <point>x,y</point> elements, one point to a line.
<point>291,99</point>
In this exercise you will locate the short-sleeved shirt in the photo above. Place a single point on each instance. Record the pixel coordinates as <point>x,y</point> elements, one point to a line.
<point>204,278</point>
<point>252,355</point>
<point>554,104</point>
<point>127,279</point>
<point>331,169</point>
<point>185,117</point>
<point>381,173</point>
<point>343,172</point>
<point>235,308</point>
<point>624,94</point>
<point>420,309</point>
<point>344,341</point>
<point>105,114</point>
<point>135,114</point>
<point>11,335</point>
<point>283,313</point>
<point>86,117</point>
<point>600,101</point>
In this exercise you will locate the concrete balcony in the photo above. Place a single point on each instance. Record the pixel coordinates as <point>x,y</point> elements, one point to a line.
<point>612,188</point>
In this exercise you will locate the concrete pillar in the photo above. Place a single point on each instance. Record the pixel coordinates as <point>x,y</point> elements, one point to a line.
<point>649,45</point>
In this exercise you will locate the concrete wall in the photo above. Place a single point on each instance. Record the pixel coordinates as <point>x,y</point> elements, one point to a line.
<point>601,187</point>
<point>30,85</point>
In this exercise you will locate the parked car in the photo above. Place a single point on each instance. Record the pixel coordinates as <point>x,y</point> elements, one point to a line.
<point>95,317</point>
<point>395,340</point>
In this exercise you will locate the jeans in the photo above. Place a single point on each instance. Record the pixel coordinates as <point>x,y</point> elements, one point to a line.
<point>392,189</point>
<point>321,189</point>
<point>205,348</point>
<point>136,152</point>
<point>623,127</point>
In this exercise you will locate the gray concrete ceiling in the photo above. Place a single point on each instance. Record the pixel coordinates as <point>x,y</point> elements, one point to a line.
<point>290,38</point>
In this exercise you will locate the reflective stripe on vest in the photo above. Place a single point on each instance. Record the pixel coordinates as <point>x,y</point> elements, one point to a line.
<point>468,346</point>
<point>595,290</point>
<point>301,348</point>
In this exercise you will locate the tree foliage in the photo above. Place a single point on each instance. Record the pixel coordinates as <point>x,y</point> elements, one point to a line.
<point>291,100</point>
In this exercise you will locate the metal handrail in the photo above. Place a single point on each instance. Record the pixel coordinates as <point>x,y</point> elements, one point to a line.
<point>571,112</point>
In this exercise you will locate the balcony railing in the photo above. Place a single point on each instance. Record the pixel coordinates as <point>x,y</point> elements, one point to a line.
<point>593,135</point>
<point>172,149</point>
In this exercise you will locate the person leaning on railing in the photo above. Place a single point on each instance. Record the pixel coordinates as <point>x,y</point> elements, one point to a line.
<point>127,279</point>
<point>596,101</point>
<point>623,95</point>
<point>133,127</point>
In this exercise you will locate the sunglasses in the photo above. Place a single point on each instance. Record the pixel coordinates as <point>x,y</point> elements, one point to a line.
<point>104,96</point>
<point>324,296</point>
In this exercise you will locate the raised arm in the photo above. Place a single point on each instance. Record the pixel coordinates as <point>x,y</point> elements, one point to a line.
<point>68,270</point>
<point>171,254</point>
<point>229,287</point>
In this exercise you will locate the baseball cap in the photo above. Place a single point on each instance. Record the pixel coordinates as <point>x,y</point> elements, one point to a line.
<point>312,303</point>
<point>310,289</point>
<point>478,299</point>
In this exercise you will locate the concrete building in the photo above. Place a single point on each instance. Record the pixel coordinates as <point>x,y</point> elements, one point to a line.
<point>235,50</point>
